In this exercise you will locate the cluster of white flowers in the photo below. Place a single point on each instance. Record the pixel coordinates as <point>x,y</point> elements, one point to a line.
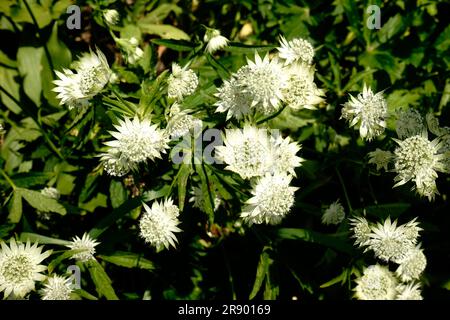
<point>369,111</point>
<point>334,214</point>
<point>91,76</point>
<point>159,223</point>
<point>416,158</point>
<point>263,85</point>
<point>130,47</point>
<point>214,40</point>
<point>136,142</point>
<point>390,243</point>
<point>182,82</point>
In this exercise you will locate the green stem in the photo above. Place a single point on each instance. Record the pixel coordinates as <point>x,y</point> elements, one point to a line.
<point>8,179</point>
<point>47,53</point>
<point>344,189</point>
<point>271,116</point>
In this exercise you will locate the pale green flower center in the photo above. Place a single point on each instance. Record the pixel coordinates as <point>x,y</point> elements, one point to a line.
<point>17,269</point>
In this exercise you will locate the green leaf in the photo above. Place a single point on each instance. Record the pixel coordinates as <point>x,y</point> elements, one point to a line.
<point>183,176</point>
<point>161,12</point>
<point>34,237</point>
<point>163,30</point>
<point>30,179</point>
<point>117,193</point>
<point>390,28</point>
<point>330,241</point>
<point>442,43</point>
<point>41,202</point>
<point>261,272</point>
<point>85,294</point>
<point>118,213</point>
<point>66,255</point>
<point>177,45</point>
<point>30,67</point>
<point>101,280</point>
<point>9,83</point>
<point>61,55</point>
<point>240,48</point>
<point>15,210</point>
<point>206,190</point>
<point>220,69</point>
<point>100,200</point>
<point>393,210</point>
<point>129,260</point>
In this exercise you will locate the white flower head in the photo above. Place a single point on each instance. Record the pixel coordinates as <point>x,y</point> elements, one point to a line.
<point>183,123</point>
<point>334,214</point>
<point>389,242</point>
<point>20,267</point>
<point>410,291</point>
<point>111,16</point>
<point>409,123</point>
<point>412,265</point>
<point>272,199</point>
<point>182,82</point>
<point>361,230</point>
<point>418,159</point>
<point>214,40</point>
<point>264,80</point>
<point>301,91</point>
<point>369,110</point>
<point>376,283</point>
<point>92,75</point>
<point>130,47</point>
<point>87,246</point>
<point>284,153</point>
<point>115,165</point>
<point>246,152</point>
<point>233,100</point>
<point>159,223</point>
<point>199,199</point>
<point>137,141</point>
<point>298,49</point>
<point>56,288</point>
<point>381,158</point>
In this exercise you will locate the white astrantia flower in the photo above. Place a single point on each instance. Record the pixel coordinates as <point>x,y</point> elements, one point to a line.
<point>159,223</point>
<point>246,152</point>
<point>56,288</point>
<point>181,123</point>
<point>233,100</point>
<point>411,230</point>
<point>298,49</point>
<point>369,110</point>
<point>284,153</point>
<point>130,47</point>
<point>115,165</point>
<point>381,158</point>
<point>214,40</point>
<point>264,80</point>
<point>111,16</point>
<point>409,123</point>
<point>182,82</point>
<point>410,291</point>
<point>92,74</point>
<point>199,199</point>
<point>417,159</point>
<point>87,246</point>
<point>334,214</point>
<point>376,283</point>
<point>389,242</point>
<point>361,230</point>
<point>20,267</point>
<point>412,265</point>
<point>137,141</point>
<point>272,199</point>
<point>301,91</point>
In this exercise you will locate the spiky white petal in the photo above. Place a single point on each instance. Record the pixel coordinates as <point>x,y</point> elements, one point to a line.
<point>334,214</point>
<point>232,100</point>
<point>20,267</point>
<point>214,40</point>
<point>87,246</point>
<point>272,199</point>
<point>361,230</point>
<point>369,111</point>
<point>182,82</point>
<point>376,283</point>
<point>298,49</point>
<point>159,223</point>
<point>56,288</point>
<point>410,291</point>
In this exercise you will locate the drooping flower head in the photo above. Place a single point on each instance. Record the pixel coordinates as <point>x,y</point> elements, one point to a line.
<point>20,267</point>
<point>298,49</point>
<point>56,288</point>
<point>111,16</point>
<point>214,40</point>
<point>334,214</point>
<point>376,283</point>
<point>159,223</point>
<point>272,199</point>
<point>182,82</point>
<point>87,246</point>
<point>369,110</point>
<point>381,158</point>
<point>361,230</point>
<point>130,47</point>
